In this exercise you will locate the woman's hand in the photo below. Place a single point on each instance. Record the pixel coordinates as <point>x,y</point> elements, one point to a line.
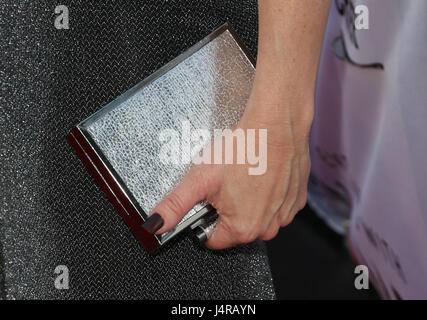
<point>281,101</point>
<point>250,206</point>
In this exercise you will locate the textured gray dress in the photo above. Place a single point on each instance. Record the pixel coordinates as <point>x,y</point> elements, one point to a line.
<point>52,211</point>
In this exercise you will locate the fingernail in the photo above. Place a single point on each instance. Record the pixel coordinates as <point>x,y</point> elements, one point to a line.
<point>153,223</point>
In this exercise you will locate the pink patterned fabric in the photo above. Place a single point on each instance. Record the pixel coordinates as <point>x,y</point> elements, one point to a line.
<point>369,140</point>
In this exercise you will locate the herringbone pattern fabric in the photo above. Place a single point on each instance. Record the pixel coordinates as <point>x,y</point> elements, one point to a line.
<point>52,211</point>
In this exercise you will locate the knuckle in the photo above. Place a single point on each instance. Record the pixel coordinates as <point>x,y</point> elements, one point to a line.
<point>292,215</point>
<point>270,235</point>
<point>288,219</point>
<point>174,204</point>
<point>246,234</point>
<point>285,223</point>
<point>302,201</point>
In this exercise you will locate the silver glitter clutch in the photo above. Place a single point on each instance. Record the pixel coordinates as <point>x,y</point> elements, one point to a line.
<point>206,87</point>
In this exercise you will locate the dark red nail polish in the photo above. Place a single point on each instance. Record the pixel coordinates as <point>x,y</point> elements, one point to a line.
<point>153,223</point>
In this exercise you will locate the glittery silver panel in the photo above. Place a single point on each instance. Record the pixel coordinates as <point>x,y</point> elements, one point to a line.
<point>52,211</point>
<point>207,90</point>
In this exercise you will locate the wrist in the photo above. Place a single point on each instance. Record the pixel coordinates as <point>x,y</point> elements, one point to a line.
<point>281,103</point>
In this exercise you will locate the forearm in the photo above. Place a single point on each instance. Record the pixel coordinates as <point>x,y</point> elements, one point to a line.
<point>290,42</point>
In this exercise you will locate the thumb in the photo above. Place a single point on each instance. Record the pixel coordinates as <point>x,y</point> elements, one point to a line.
<point>196,185</point>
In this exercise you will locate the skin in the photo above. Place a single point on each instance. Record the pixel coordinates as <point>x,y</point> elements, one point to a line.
<point>282,101</point>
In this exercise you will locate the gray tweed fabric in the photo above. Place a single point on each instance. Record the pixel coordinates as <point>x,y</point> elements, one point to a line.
<point>52,212</point>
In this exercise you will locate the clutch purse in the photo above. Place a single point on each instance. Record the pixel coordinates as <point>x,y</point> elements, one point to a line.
<point>206,87</point>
